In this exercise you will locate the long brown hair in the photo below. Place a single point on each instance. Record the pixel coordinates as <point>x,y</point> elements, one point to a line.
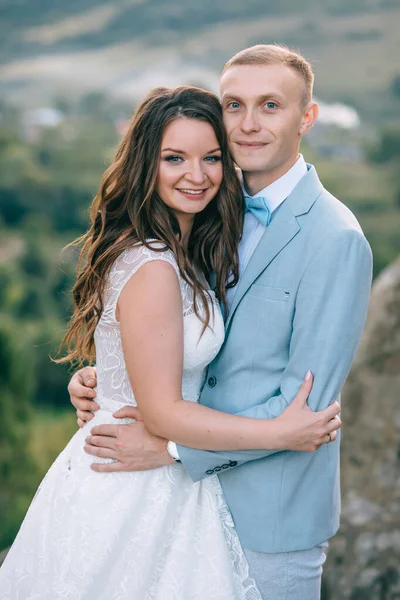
<point>128,210</point>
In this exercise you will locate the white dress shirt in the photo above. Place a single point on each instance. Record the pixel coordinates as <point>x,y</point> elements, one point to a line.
<point>253,230</point>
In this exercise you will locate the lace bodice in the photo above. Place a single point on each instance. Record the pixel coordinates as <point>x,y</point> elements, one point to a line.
<point>113,386</point>
<point>130,535</point>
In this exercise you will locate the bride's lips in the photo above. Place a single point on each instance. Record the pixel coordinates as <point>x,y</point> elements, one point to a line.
<point>192,194</point>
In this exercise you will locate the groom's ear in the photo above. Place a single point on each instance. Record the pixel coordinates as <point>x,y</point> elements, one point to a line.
<point>309,118</point>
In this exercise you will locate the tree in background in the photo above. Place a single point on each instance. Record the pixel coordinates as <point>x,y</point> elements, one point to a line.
<point>17,470</point>
<point>388,147</point>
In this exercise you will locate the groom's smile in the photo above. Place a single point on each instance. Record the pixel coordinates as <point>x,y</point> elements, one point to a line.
<point>265,117</point>
<point>251,145</point>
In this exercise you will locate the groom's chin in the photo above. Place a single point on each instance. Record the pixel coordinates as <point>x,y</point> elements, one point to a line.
<point>251,162</point>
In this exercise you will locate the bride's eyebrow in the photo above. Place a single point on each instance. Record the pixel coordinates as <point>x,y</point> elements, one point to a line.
<point>173,150</point>
<point>218,149</point>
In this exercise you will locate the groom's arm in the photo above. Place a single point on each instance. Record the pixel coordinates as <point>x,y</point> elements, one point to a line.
<point>330,312</point>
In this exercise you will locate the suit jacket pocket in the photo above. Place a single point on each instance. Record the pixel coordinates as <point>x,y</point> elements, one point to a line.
<point>269,292</point>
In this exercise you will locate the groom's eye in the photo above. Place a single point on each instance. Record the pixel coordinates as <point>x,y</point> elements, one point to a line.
<point>271,105</point>
<point>234,105</point>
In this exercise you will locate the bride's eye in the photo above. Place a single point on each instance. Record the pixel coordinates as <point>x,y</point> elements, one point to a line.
<point>173,159</point>
<point>213,159</point>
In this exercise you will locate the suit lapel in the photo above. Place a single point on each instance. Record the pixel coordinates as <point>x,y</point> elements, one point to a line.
<point>282,229</point>
<point>279,233</point>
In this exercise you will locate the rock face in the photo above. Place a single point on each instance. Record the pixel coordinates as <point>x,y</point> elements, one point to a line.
<point>364,558</point>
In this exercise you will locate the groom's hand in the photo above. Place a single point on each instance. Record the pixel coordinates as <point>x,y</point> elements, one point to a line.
<point>82,394</point>
<point>131,446</point>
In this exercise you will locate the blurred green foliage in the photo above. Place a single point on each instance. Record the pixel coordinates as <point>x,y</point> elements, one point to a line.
<point>48,177</point>
<point>157,16</point>
<point>388,148</point>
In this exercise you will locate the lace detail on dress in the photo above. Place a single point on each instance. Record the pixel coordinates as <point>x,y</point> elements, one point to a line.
<point>113,385</point>
<point>126,265</point>
<point>238,557</point>
<point>150,535</point>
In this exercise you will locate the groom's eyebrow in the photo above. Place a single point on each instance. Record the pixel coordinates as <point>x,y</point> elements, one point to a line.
<point>262,98</point>
<point>230,96</point>
<point>269,96</point>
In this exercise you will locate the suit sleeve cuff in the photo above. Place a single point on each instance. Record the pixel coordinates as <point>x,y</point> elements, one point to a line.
<point>173,450</point>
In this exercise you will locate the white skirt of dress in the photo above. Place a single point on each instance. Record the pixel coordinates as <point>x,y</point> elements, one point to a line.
<point>151,535</point>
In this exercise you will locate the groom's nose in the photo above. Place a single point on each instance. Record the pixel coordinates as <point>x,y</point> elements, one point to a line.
<point>250,122</point>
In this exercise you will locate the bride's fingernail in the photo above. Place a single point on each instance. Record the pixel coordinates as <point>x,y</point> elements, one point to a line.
<point>308,376</point>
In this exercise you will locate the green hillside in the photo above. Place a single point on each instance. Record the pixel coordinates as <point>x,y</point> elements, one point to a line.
<point>353,45</point>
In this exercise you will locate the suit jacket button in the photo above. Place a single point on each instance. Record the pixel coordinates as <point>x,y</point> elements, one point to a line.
<point>212,381</point>
<point>211,472</point>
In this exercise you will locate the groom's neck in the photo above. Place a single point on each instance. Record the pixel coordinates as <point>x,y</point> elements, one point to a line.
<point>255,181</point>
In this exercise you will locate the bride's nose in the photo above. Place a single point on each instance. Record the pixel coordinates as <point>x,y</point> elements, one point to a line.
<point>196,173</point>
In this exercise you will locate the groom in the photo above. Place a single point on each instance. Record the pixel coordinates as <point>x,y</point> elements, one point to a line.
<point>300,304</point>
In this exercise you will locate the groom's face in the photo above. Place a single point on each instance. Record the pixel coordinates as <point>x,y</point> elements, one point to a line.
<point>263,115</point>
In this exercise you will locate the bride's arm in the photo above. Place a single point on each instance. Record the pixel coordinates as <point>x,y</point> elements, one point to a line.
<point>150,313</point>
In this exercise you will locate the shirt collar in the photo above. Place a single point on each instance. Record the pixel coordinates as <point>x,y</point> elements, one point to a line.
<point>279,190</point>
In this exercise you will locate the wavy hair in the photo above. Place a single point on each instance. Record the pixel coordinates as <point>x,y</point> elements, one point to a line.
<point>127,210</point>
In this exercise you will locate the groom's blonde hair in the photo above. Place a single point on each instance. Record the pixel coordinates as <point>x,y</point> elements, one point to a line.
<point>269,54</point>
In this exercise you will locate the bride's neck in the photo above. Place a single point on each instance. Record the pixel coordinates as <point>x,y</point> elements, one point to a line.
<point>186,225</point>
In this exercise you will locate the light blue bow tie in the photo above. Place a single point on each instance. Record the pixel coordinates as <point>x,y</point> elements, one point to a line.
<point>259,207</point>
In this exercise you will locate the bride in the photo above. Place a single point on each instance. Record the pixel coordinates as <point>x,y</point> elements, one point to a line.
<point>169,212</point>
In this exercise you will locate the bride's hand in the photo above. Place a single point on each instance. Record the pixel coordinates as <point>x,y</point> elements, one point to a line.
<point>305,430</point>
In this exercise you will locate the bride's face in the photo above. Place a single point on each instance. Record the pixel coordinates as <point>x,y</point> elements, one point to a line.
<point>190,170</point>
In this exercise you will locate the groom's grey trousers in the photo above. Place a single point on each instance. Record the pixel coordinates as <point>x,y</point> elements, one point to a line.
<point>288,575</point>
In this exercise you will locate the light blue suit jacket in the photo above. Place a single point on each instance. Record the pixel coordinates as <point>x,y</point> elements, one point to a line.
<point>301,304</point>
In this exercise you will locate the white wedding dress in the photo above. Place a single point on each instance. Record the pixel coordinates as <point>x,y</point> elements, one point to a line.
<point>152,535</point>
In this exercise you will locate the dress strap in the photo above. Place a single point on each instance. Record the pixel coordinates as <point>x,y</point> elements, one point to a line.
<point>127,264</point>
